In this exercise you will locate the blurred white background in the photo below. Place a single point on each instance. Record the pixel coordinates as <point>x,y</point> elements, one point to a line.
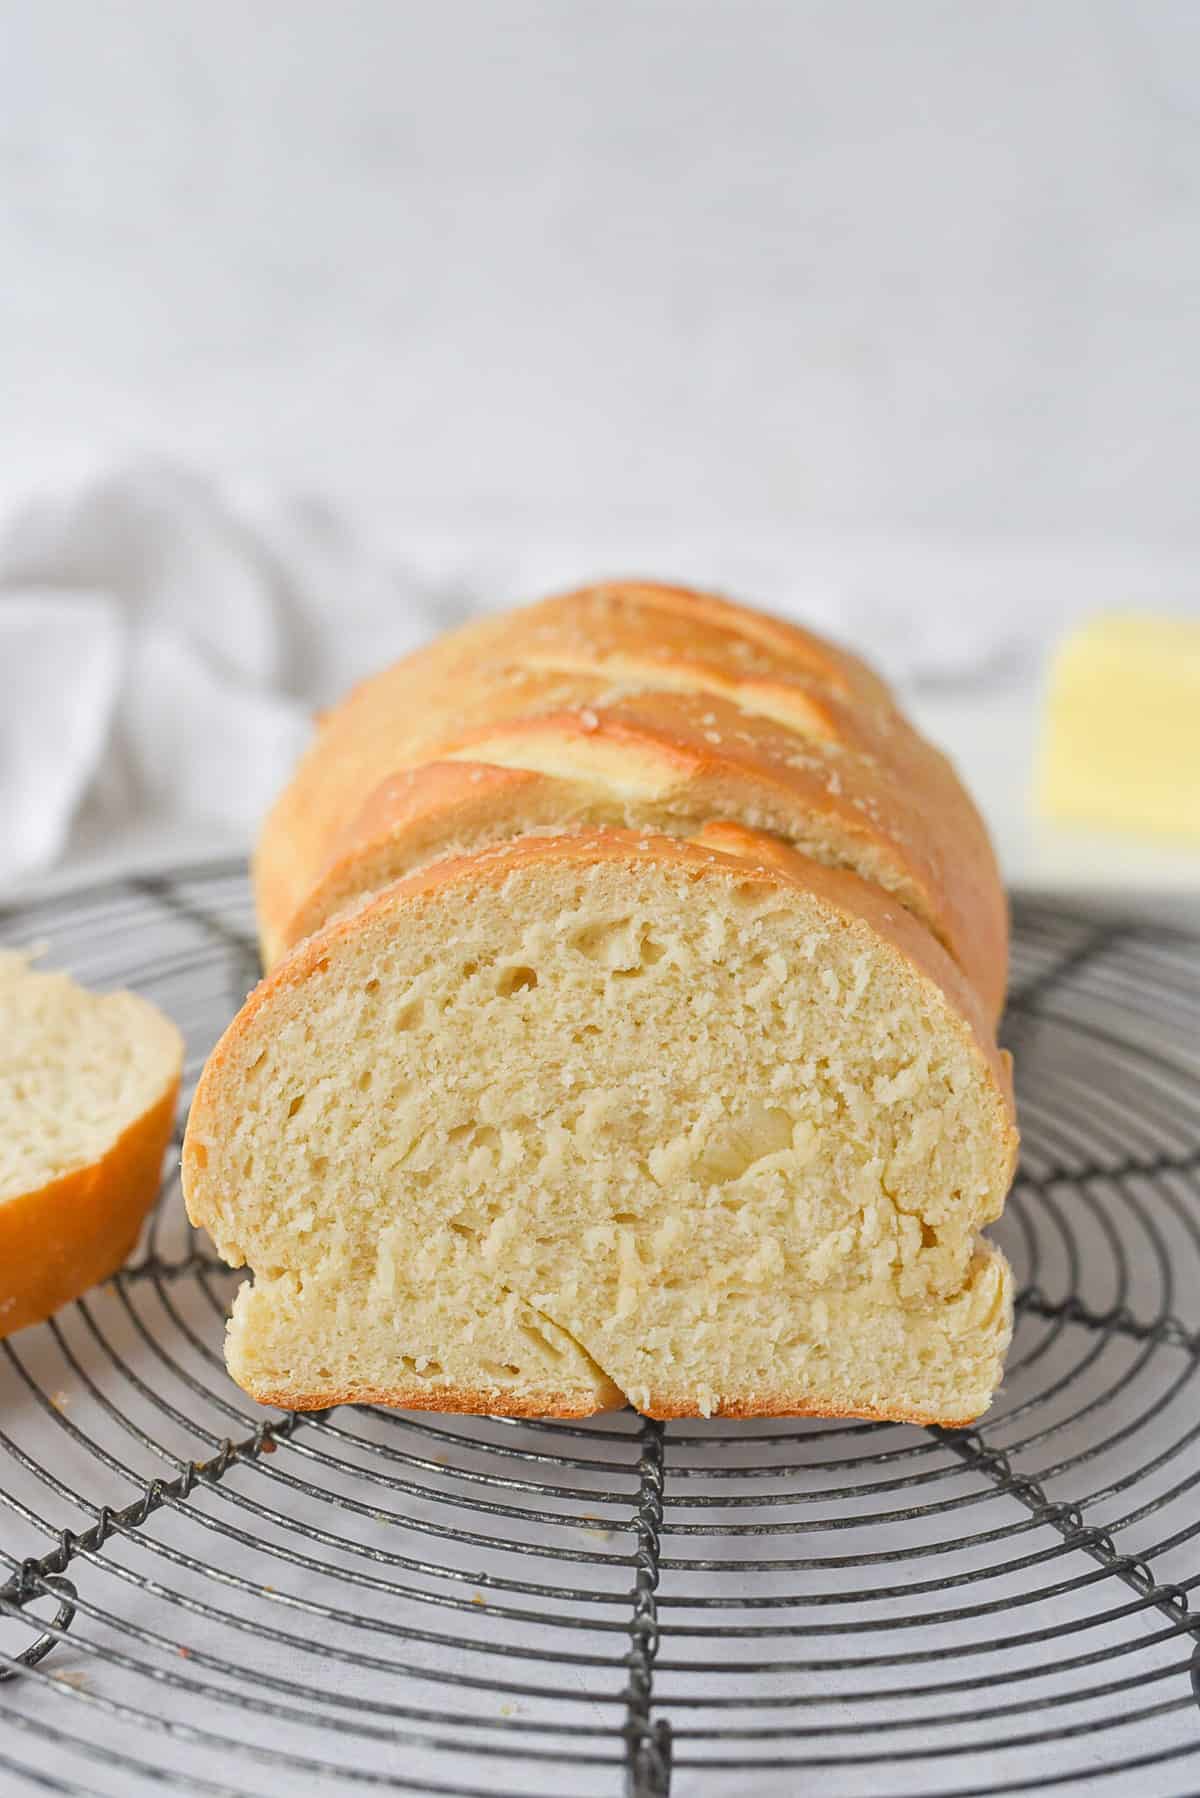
<point>885,313</point>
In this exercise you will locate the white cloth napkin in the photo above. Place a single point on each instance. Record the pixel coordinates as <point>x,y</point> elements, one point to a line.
<point>161,652</point>
<point>163,644</point>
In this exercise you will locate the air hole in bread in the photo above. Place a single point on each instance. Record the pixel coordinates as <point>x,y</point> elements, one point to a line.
<point>296,1103</point>
<point>599,941</point>
<point>515,980</point>
<point>747,1137</point>
<point>748,892</point>
<point>422,1369</point>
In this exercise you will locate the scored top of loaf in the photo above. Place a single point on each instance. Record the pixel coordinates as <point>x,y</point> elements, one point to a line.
<point>661,659</point>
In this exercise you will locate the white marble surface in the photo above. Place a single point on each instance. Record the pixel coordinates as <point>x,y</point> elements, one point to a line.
<point>855,267</point>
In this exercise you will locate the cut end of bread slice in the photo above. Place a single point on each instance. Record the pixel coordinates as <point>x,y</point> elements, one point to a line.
<point>88,1085</point>
<point>602,1118</point>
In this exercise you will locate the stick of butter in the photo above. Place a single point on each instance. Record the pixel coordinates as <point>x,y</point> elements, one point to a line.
<point>1121,747</point>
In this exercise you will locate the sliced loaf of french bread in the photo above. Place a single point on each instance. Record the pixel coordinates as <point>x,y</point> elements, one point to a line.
<point>628,1035</point>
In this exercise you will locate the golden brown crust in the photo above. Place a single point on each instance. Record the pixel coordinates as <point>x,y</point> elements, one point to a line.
<point>58,1241</point>
<point>785,1405</point>
<point>476,1402</point>
<point>491,1403</point>
<point>503,667</point>
<point>691,627</point>
<point>410,818</point>
<point>744,702</point>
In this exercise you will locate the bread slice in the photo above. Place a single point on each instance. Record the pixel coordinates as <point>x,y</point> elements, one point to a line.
<point>700,1125</point>
<point>88,1086</point>
<point>671,765</point>
<point>643,706</point>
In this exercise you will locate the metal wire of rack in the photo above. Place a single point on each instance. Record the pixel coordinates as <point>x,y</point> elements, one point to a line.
<point>199,1595</point>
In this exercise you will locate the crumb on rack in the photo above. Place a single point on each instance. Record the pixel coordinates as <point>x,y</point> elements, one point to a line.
<point>75,1677</point>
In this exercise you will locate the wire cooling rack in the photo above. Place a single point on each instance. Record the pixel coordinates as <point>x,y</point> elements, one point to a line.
<point>203,1597</point>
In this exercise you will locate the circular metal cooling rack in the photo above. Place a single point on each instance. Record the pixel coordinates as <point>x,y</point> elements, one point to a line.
<point>200,1596</point>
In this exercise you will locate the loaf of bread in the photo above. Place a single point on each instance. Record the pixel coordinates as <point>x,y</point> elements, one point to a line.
<point>88,1086</point>
<point>629,1037</point>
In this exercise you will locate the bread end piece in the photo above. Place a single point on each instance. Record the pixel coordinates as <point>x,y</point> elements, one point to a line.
<point>92,1083</point>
